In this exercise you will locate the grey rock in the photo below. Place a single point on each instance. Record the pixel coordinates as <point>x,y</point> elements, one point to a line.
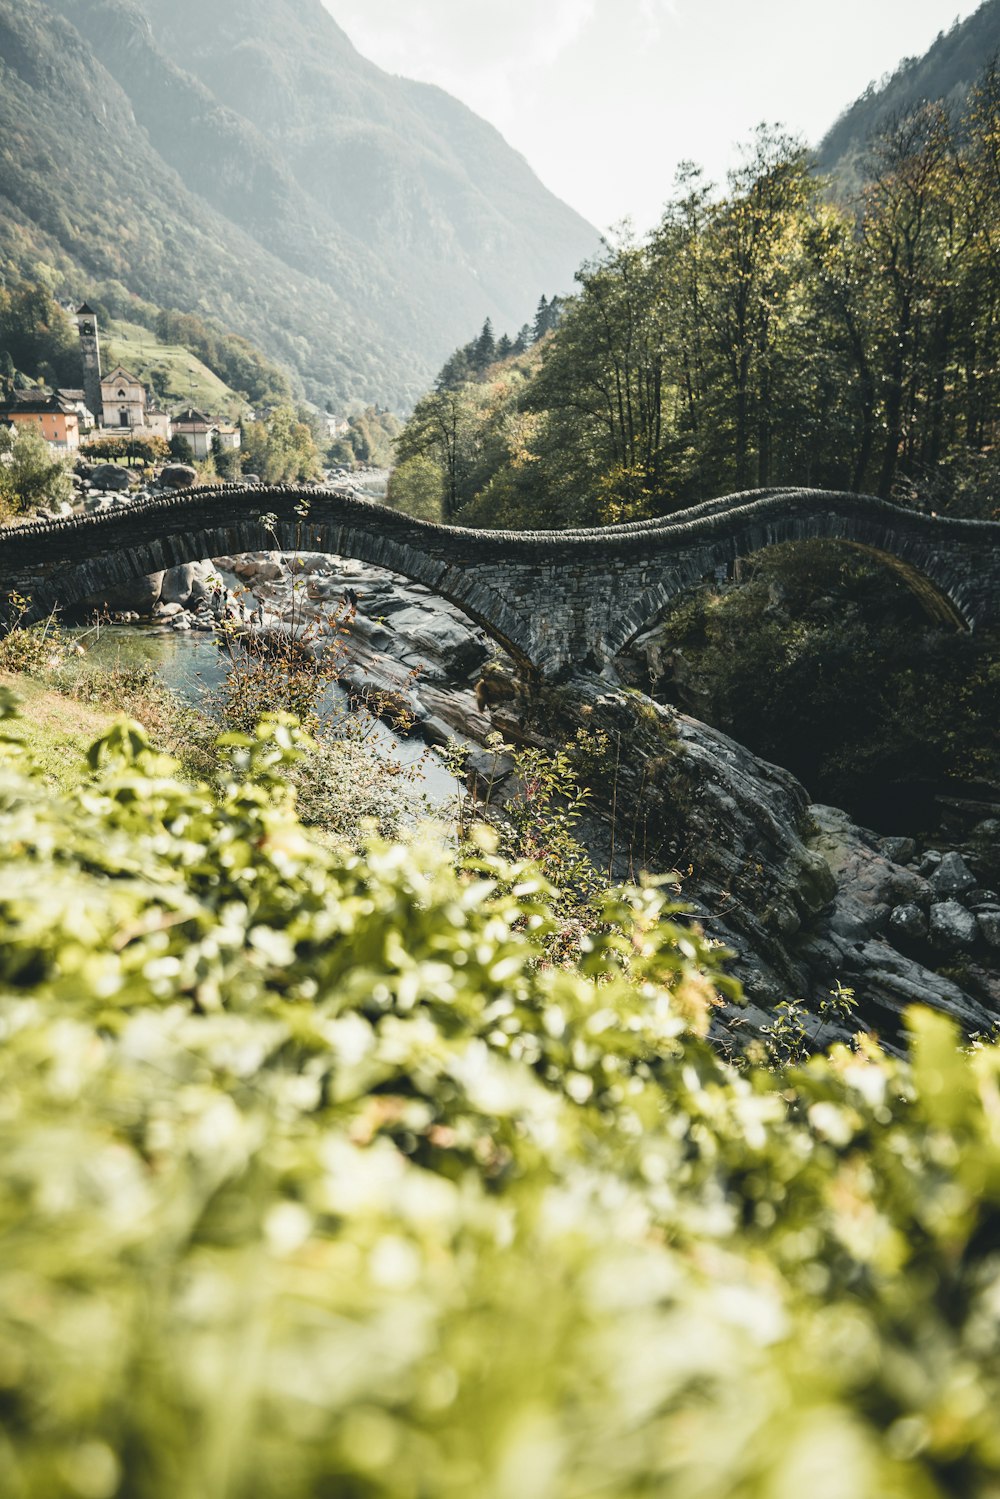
<point>139,595</point>
<point>952,877</point>
<point>908,924</point>
<point>930,861</point>
<point>178,476</point>
<point>952,926</point>
<point>900,850</point>
<point>178,583</point>
<point>989,927</point>
<point>110,476</point>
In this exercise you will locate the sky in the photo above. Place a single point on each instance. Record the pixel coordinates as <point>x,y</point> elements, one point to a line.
<point>606,97</point>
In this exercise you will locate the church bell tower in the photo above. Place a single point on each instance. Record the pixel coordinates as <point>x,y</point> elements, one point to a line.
<point>90,348</point>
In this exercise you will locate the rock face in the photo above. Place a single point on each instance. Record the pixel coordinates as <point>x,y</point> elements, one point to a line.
<point>406,650</point>
<point>175,590</point>
<point>806,898</point>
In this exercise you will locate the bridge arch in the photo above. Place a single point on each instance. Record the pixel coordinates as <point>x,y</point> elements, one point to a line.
<point>554,600</point>
<point>258,529</point>
<point>937,586</point>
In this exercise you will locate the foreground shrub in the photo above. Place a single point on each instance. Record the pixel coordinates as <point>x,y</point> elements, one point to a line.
<point>317,1179</point>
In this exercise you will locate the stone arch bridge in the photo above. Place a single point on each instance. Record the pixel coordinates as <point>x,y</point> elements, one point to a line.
<point>553,599</point>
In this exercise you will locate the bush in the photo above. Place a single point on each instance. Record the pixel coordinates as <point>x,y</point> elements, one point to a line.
<point>133,449</point>
<point>316,1178</point>
<point>31,476</point>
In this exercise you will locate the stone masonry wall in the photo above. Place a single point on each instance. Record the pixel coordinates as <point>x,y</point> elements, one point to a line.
<point>554,599</point>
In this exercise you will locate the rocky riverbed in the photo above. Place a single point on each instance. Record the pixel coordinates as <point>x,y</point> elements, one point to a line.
<point>806,898</point>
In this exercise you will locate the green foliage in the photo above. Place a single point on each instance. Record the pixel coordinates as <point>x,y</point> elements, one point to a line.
<point>758,337</point>
<point>181,449</point>
<point>416,486</point>
<point>280,449</point>
<point>318,1178</point>
<point>369,439</point>
<point>29,648</point>
<point>31,475</point>
<point>862,692</point>
<point>229,356</point>
<point>36,337</point>
<point>133,449</point>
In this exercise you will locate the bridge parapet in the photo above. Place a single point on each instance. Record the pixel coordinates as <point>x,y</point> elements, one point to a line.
<point>554,599</point>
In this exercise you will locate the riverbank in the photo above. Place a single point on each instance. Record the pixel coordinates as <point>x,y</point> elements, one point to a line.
<point>810,901</point>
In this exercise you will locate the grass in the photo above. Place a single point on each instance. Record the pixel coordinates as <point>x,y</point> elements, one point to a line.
<point>56,729</point>
<point>178,376</point>
<point>69,700</point>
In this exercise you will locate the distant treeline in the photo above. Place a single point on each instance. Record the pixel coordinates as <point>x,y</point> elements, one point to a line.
<point>765,335</point>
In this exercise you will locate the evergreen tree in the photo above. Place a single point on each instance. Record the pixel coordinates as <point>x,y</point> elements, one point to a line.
<point>523,341</point>
<point>485,348</point>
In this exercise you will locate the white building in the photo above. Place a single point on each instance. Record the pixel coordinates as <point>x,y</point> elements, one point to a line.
<point>123,401</point>
<point>198,430</point>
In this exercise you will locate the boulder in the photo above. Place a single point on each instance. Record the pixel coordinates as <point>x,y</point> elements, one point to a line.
<point>899,850</point>
<point>138,595</point>
<point>989,927</point>
<point>952,877</point>
<point>109,476</point>
<point>952,926</point>
<point>908,924</point>
<point>178,583</point>
<point>178,476</point>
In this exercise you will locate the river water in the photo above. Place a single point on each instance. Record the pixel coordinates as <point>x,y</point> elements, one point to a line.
<point>192,666</point>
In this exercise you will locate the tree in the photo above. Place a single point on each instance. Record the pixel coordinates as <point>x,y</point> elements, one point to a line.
<point>132,448</point>
<point>228,461</point>
<point>485,349</point>
<point>753,265</point>
<point>31,475</point>
<point>900,225</point>
<point>281,449</point>
<point>416,486</point>
<point>36,336</point>
<point>437,431</point>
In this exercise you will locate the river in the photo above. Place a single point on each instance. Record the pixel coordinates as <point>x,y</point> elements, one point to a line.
<point>191,665</point>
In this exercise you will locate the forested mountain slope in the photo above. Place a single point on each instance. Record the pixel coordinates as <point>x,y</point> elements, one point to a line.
<point>946,72</point>
<point>247,164</point>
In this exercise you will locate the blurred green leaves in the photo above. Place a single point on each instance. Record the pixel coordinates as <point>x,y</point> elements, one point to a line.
<point>319,1177</point>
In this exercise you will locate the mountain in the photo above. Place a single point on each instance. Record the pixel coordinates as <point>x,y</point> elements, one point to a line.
<point>244,162</point>
<point>945,72</point>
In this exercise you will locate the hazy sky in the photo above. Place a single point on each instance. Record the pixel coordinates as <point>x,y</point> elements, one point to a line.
<point>605,97</point>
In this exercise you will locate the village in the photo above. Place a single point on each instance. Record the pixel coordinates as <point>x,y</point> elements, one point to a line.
<point>112,404</point>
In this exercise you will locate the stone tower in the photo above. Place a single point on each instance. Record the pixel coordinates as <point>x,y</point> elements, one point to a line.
<point>90,348</point>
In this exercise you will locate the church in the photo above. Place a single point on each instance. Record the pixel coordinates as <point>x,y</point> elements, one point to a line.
<point>118,400</point>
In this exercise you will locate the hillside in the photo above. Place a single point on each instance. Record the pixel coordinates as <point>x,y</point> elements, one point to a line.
<point>252,167</point>
<point>945,72</point>
<point>177,375</point>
